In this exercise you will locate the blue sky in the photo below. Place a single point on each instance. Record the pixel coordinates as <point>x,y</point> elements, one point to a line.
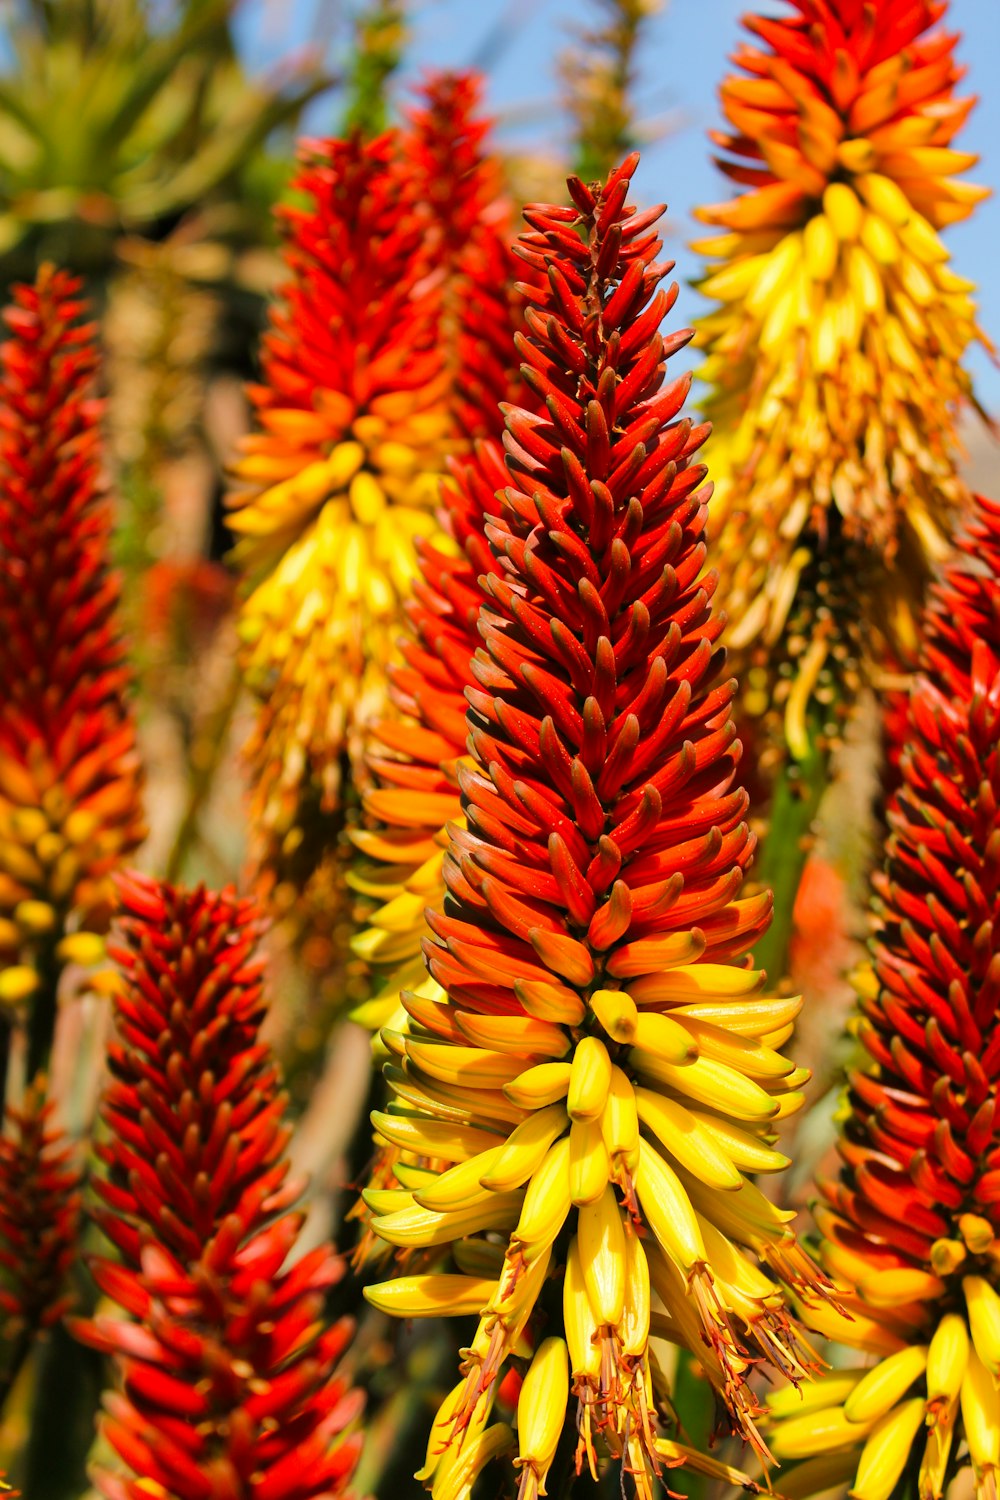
<point>517,43</point>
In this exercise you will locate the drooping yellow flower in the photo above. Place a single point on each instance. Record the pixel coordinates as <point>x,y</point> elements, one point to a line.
<point>834,355</point>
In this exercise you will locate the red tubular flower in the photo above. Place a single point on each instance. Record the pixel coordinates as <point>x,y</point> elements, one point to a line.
<point>39,1216</point>
<point>69,772</point>
<point>228,1383</point>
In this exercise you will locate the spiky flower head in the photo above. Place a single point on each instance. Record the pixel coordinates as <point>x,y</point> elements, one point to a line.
<point>352,415</point>
<point>911,1227</point>
<point>834,356</point>
<point>382,357</point>
<point>227,1376</point>
<point>598,1070</point>
<point>39,1217</point>
<point>69,772</point>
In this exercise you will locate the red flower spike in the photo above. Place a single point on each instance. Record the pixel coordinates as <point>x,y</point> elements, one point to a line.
<point>585,1015</point>
<point>228,1378</point>
<point>39,1217</point>
<point>913,1223</point>
<point>69,772</point>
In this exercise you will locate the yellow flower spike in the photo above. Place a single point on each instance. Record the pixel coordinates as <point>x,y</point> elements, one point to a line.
<point>85,948</point>
<point>541,1413</point>
<point>558,914</point>
<point>833,350</point>
<point>18,983</point>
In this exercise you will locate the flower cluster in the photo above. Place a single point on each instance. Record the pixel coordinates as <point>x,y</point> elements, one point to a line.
<point>833,358</point>
<point>228,1379</point>
<point>39,1217</point>
<point>390,350</point>
<point>913,1225</point>
<point>69,771</point>
<point>597,1070</point>
<point>339,479</point>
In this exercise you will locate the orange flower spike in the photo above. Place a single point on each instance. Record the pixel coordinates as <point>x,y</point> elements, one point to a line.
<point>69,771</point>
<point>912,1227</point>
<point>342,476</point>
<point>228,1376</point>
<point>834,354</point>
<point>592,1062</point>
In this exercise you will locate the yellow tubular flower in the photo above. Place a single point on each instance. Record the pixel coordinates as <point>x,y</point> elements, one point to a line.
<point>582,1093</point>
<point>834,355</point>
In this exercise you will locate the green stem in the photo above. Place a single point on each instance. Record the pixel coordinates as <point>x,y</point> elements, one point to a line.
<point>211,744</point>
<point>67,1393</point>
<point>781,859</point>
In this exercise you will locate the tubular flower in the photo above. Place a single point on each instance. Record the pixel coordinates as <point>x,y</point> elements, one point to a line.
<point>598,1073</point>
<point>341,477</point>
<point>833,358</point>
<point>39,1216</point>
<point>912,1225</point>
<point>227,1376</point>
<point>69,771</point>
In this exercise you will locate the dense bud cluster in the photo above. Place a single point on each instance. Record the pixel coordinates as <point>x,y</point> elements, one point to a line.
<point>228,1382</point>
